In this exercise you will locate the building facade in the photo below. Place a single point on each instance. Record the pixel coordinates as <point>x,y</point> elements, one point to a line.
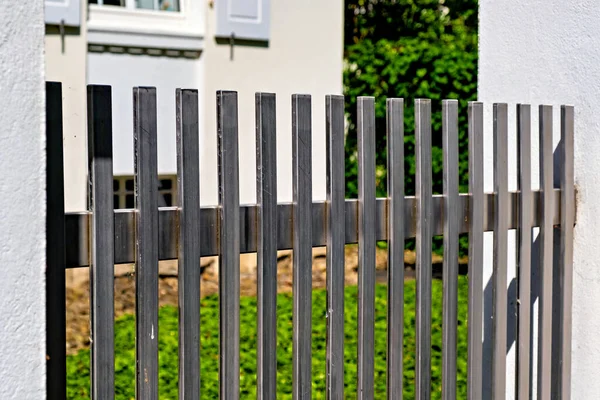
<point>281,46</point>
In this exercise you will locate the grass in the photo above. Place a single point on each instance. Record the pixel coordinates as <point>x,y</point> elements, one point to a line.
<point>78,365</point>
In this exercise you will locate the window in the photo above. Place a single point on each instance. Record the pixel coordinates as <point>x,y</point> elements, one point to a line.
<point>161,5</point>
<point>124,193</point>
<point>146,24</point>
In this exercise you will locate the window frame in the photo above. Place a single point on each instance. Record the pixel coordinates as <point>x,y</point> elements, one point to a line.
<point>131,27</point>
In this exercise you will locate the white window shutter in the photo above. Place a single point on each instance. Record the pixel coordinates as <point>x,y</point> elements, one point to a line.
<point>245,19</point>
<point>65,12</point>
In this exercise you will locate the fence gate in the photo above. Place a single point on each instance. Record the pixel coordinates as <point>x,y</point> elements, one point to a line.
<point>102,237</point>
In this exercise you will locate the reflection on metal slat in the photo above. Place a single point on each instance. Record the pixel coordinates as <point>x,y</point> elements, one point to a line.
<point>188,171</point>
<point>266,195</point>
<point>302,243</point>
<point>77,225</point>
<point>335,246</point>
<point>424,234</point>
<point>366,247</point>
<point>476,220</point>
<point>229,246</point>
<point>545,238</point>
<point>395,332</point>
<point>524,264</point>
<point>450,270</point>
<point>146,228</point>
<point>499,275</point>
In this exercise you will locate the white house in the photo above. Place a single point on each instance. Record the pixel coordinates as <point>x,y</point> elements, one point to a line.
<point>282,46</point>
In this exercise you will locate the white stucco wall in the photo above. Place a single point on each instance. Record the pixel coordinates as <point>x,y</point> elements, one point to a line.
<point>123,72</point>
<point>546,51</point>
<point>304,56</point>
<point>22,201</point>
<point>67,64</point>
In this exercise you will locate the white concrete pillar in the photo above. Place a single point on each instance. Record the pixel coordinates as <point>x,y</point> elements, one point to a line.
<point>22,201</point>
<point>546,51</point>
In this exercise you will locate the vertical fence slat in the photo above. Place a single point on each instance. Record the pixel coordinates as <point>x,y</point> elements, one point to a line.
<point>546,247</point>
<point>229,246</point>
<point>102,266</point>
<point>423,268</point>
<point>450,270</point>
<point>567,220</point>
<point>266,195</point>
<point>499,277</point>
<point>146,274</point>
<point>335,245</point>
<point>476,217</point>
<point>524,264</point>
<point>55,247</point>
<point>395,330</point>
<point>302,255</point>
<point>366,247</point>
<point>188,178</point>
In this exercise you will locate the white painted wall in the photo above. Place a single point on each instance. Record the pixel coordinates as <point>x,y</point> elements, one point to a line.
<point>22,201</point>
<point>123,72</point>
<point>67,64</point>
<point>304,56</point>
<point>546,51</point>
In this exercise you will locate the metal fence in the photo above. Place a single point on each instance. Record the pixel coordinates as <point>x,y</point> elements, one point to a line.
<point>102,237</point>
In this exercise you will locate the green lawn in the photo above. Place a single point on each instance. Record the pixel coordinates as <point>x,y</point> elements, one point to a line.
<point>78,365</point>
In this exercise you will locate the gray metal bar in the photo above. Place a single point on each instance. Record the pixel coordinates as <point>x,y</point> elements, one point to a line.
<point>567,220</point>
<point>188,176</point>
<point>499,276</point>
<point>524,249</point>
<point>146,227</point>
<point>229,246</point>
<point>366,247</point>
<point>77,225</point>
<point>476,218</point>
<point>395,330</point>
<point>334,110</point>
<point>102,313</point>
<point>424,235</point>
<point>56,337</point>
<point>266,238</point>
<point>450,270</point>
<point>546,246</point>
<point>302,243</point>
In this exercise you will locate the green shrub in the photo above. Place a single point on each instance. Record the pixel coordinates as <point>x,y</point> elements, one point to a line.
<point>78,365</point>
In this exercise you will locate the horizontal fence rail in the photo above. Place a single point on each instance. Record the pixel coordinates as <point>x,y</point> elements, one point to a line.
<point>78,224</point>
<point>102,237</point>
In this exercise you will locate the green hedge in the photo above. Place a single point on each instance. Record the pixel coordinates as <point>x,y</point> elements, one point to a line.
<point>78,365</point>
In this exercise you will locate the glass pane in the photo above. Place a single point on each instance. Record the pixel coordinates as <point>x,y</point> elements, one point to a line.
<point>119,3</point>
<point>115,184</point>
<point>129,201</point>
<point>168,200</point>
<point>115,201</point>
<point>144,4</point>
<point>169,5</point>
<point>165,184</point>
<point>129,184</point>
